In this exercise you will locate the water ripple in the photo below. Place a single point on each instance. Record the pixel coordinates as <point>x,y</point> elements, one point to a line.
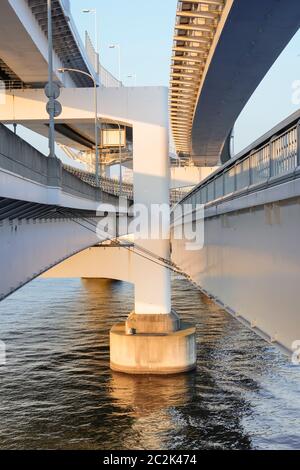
<point>57,391</point>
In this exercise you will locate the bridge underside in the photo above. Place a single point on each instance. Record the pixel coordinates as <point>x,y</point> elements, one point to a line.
<point>37,237</point>
<point>254,35</point>
<point>98,262</point>
<point>31,246</point>
<point>46,213</point>
<point>24,45</point>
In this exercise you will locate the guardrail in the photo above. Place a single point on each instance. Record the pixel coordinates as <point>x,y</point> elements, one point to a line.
<point>275,157</point>
<point>12,85</point>
<point>177,194</point>
<point>112,186</point>
<point>108,185</point>
<point>19,159</point>
<point>107,79</point>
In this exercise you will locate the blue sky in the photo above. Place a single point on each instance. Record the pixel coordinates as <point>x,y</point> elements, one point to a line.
<point>144,30</point>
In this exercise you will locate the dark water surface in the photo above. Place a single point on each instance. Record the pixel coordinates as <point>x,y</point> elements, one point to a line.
<point>57,391</point>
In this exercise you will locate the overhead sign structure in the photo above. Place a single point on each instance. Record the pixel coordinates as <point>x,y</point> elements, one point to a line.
<point>113,138</point>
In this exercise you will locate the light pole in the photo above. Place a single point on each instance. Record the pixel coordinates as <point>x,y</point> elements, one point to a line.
<point>120,157</point>
<point>94,12</point>
<point>133,75</point>
<point>63,70</point>
<point>50,80</point>
<point>117,46</point>
<point>232,143</point>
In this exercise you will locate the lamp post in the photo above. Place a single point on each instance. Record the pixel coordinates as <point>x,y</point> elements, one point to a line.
<point>94,12</point>
<point>50,81</point>
<point>63,70</point>
<point>117,46</point>
<point>232,143</point>
<point>120,157</point>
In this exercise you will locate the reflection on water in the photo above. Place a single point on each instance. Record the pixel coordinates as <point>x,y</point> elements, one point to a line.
<point>58,392</point>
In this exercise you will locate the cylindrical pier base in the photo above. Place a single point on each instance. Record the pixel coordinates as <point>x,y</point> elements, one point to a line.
<point>153,353</point>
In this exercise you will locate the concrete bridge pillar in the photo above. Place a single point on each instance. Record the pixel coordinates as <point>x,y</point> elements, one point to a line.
<point>153,340</point>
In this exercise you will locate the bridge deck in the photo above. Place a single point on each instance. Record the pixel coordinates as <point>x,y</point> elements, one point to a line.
<point>27,175</point>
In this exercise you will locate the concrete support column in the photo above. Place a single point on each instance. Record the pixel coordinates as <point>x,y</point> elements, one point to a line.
<point>153,340</point>
<point>151,189</point>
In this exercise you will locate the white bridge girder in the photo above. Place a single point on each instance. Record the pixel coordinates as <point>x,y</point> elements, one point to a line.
<point>98,262</point>
<point>30,247</point>
<point>129,106</point>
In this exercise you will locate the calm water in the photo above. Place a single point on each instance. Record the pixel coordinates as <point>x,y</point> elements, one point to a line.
<point>58,392</point>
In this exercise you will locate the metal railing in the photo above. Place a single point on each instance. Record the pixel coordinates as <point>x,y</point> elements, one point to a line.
<point>279,156</point>
<point>177,194</point>
<point>108,185</point>
<point>12,85</point>
<point>107,80</point>
<point>112,186</point>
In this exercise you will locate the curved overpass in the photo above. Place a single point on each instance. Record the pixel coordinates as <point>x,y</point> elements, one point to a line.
<point>222,51</point>
<point>31,247</point>
<point>98,262</point>
<point>24,44</point>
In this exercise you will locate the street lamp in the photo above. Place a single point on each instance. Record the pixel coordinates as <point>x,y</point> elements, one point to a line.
<point>133,75</point>
<point>117,46</point>
<point>63,70</point>
<point>232,142</point>
<point>50,81</point>
<point>94,12</point>
<point>120,159</point>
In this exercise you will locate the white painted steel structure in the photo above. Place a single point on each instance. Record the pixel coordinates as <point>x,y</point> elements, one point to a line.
<point>98,262</point>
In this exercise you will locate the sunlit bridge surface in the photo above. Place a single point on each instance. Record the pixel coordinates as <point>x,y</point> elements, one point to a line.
<point>57,390</point>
